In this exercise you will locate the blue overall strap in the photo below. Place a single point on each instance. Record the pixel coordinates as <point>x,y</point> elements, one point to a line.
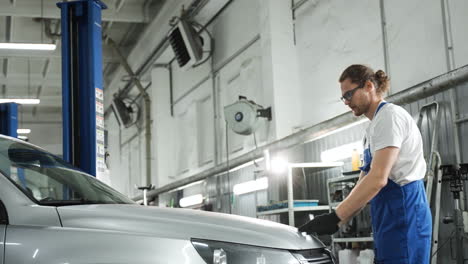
<point>367,156</point>
<point>379,107</point>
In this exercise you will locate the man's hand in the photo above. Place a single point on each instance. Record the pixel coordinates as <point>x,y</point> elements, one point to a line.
<point>325,224</point>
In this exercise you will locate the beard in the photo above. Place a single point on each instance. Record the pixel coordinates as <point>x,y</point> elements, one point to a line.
<point>359,110</point>
<point>356,111</point>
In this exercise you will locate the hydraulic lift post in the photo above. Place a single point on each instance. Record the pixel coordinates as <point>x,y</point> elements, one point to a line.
<point>82,91</point>
<point>9,127</point>
<point>9,119</point>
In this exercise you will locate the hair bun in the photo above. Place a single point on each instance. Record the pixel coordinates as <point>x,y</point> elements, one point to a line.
<point>380,75</point>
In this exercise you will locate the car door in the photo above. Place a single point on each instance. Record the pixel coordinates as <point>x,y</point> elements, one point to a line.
<point>3,223</point>
<point>2,242</point>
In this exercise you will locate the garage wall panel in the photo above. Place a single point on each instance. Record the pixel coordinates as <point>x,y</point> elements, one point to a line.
<point>135,167</point>
<point>185,80</point>
<point>205,130</point>
<point>186,143</point>
<point>164,128</point>
<point>118,177</point>
<point>243,204</point>
<point>193,139</point>
<point>126,168</point>
<point>242,76</point>
<point>457,10</point>
<point>234,28</point>
<point>462,96</point>
<point>415,41</point>
<point>331,35</point>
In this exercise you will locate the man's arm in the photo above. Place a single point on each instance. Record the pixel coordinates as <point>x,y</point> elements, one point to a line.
<point>370,185</point>
<point>361,176</point>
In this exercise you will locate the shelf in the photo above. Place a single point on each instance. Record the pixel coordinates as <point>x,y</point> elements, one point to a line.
<point>352,239</point>
<point>350,173</point>
<point>317,166</point>
<point>343,179</point>
<point>296,209</point>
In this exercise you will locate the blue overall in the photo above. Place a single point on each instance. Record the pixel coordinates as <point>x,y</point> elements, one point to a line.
<point>401,220</point>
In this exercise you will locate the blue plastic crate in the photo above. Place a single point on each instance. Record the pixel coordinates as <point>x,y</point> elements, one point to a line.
<point>284,204</point>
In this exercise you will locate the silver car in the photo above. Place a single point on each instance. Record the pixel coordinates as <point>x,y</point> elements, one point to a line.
<point>52,213</point>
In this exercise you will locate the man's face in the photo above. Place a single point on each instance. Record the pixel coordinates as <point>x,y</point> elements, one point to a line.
<point>355,96</point>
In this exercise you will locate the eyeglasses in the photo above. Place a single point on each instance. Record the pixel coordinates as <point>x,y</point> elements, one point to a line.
<point>349,94</point>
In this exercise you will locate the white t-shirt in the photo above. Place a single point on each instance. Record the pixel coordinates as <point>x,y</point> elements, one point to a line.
<point>393,126</point>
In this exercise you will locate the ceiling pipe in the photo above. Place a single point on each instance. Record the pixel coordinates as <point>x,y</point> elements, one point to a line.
<point>425,89</point>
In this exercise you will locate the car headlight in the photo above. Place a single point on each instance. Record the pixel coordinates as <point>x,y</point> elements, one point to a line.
<point>215,252</point>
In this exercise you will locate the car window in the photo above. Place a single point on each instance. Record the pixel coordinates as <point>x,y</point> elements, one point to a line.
<point>3,215</point>
<point>48,180</point>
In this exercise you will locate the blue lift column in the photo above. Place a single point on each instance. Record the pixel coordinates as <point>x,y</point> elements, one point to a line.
<point>9,119</point>
<point>82,93</point>
<point>9,127</point>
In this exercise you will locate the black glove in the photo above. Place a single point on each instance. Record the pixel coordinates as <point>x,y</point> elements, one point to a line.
<point>325,224</point>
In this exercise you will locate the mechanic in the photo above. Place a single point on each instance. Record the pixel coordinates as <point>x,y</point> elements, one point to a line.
<point>392,175</point>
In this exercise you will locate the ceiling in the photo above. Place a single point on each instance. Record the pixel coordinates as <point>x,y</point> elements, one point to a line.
<point>38,74</point>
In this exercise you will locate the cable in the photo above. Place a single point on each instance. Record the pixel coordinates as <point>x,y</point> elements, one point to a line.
<point>305,180</point>
<point>228,169</point>
<point>42,21</point>
<point>256,147</point>
<point>255,140</point>
<point>445,242</point>
<point>211,43</point>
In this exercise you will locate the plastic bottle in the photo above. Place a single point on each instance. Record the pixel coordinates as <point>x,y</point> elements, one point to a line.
<point>355,160</point>
<point>347,256</point>
<point>366,257</point>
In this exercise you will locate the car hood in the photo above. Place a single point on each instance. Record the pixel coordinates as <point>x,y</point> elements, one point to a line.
<point>185,224</point>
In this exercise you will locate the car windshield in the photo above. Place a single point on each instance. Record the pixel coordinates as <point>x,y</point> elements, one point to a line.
<point>48,180</point>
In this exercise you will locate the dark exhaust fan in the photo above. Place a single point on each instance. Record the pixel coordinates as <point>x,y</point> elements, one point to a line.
<point>127,112</point>
<point>186,44</point>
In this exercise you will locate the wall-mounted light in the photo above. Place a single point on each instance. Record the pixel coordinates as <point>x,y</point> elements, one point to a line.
<point>23,137</point>
<point>27,46</point>
<point>191,200</point>
<point>266,154</point>
<point>353,124</point>
<point>341,152</point>
<point>23,131</point>
<point>20,101</point>
<point>251,186</point>
<point>278,165</point>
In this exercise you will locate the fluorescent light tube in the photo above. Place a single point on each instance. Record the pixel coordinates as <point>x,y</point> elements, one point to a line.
<point>191,200</point>
<point>27,46</point>
<point>341,152</point>
<point>23,131</point>
<point>20,101</point>
<point>23,137</point>
<point>251,186</point>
